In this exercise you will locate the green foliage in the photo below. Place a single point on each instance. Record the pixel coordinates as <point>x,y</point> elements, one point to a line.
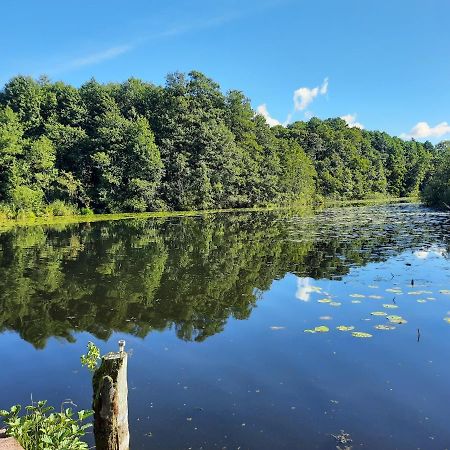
<point>40,428</point>
<point>91,358</point>
<point>437,188</point>
<point>137,147</point>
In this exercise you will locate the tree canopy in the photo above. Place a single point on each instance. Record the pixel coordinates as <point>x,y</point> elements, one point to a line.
<point>135,146</point>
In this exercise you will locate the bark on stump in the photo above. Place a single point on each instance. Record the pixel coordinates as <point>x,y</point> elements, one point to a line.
<point>110,403</point>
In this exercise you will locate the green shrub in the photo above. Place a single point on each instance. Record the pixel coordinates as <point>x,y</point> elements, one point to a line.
<point>6,212</point>
<point>86,211</point>
<point>26,199</point>
<point>42,429</point>
<point>60,208</point>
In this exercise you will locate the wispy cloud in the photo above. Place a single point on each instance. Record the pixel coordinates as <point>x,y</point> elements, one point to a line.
<point>119,50</point>
<point>98,57</point>
<point>350,119</point>
<point>422,130</point>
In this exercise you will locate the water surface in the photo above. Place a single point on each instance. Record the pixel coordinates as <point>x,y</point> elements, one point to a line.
<point>214,310</point>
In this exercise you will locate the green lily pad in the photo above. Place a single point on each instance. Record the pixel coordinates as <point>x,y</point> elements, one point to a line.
<point>445,291</point>
<point>447,319</point>
<point>390,306</point>
<point>321,329</point>
<point>376,296</point>
<point>357,295</point>
<point>356,301</point>
<point>324,300</point>
<point>421,300</point>
<point>360,334</point>
<point>396,319</point>
<point>335,304</point>
<point>378,313</point>
<point>345,328</point>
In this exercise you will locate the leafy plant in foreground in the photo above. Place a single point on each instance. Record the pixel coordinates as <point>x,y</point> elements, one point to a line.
<point>43,429</point>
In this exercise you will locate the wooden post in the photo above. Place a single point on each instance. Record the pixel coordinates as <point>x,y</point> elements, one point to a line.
<point>110,403</point>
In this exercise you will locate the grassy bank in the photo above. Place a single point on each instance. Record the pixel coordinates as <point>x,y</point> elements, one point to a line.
<point>78,218</point>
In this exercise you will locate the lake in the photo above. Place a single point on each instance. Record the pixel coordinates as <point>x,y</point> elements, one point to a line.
<point>232,324</point>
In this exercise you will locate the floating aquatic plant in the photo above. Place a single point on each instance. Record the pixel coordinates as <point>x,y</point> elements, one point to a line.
<point>396,319</point>
<point>384,327</point>
<point>360,334</point>
<point>321,329</point>
<point>390,306</point>
<point>345,328</point>
<point>378,313</point>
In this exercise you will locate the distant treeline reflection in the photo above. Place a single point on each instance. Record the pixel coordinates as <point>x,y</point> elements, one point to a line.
<point>190,274</point>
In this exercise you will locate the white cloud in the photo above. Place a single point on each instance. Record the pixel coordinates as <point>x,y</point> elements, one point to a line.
<point>262,109</point>
<point>350,119</point>
<point>305,288</point>
<point>422,130</point>
<point>304,96</point>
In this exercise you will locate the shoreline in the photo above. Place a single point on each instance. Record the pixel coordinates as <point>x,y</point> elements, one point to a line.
<point>78,218</point>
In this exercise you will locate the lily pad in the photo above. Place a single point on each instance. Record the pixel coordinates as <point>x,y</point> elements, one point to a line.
<point>376,296</point>
<point>324,300</point>
<point>447,319</point>
<point>384,327</point>
<point>390,306</point>
<point>321,329</point>
<point>345,328</point>
<point>421,300</point>
<point>445,291</point>
<point>335,304</point>
<point>394,291</point>
<point>396,319</point>
<point>360,334</point>
<point>378,313</point>
<point>357,295</point>
<point>356,301</point>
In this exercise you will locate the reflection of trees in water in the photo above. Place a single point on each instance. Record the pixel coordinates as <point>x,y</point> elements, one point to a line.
<point>188,273</point>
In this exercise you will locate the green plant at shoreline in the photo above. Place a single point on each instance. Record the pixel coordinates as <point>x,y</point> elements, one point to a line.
<point>40,428</point>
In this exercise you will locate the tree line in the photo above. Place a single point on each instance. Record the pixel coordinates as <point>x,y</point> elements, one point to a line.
<point>135,146</point>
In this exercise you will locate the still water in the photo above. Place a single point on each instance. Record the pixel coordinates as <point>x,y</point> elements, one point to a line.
<point>214,311</point>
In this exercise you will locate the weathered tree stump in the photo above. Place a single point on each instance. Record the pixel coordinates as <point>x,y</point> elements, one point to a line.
<point>110,402</point>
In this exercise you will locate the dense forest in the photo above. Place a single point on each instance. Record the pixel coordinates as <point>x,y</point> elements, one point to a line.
<point>135,146</point>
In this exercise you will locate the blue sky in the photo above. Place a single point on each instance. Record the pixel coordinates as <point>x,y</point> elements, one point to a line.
<point>381,64</point>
